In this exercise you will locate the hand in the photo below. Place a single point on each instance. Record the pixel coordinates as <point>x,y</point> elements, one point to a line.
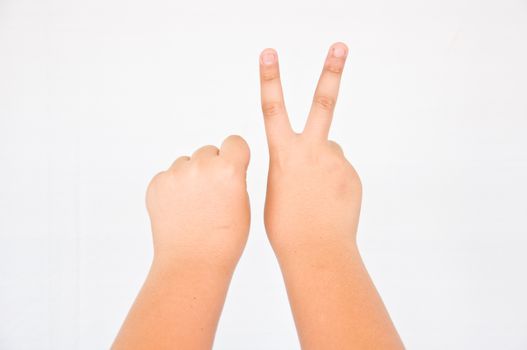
<point>199,211</point>
<point>199,207</point>
<point>313,192</point>
<point>311,215</point>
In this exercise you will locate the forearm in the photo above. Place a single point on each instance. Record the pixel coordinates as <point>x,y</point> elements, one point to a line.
<point>334,302</point>
<point>178,307</point>
<point>199,214</point>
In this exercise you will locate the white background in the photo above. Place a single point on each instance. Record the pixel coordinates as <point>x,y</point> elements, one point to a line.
<point>97,96</point>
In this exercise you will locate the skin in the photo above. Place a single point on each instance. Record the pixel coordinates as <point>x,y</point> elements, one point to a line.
<point>311,215</point>
<point>199,213</point>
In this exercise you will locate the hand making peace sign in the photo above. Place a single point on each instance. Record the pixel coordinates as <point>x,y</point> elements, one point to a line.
<point>311,215</point>
<point>312,188</point>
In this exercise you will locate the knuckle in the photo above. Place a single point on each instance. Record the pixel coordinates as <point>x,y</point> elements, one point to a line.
<point>205,149</point>
<point>236,140</point>
<point>236,148</point>
<point>244,151</point>
<point>178,162</point>
<point>334,67</point>
<point>269,75</point>
<point>335,146</point>
<point>272,109</point>
<point>324,102</point>
<point>156,179</point>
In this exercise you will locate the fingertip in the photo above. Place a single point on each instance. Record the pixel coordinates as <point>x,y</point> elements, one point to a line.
<point>268,56</point>
<point>326,92</point>
<point>339,50</point>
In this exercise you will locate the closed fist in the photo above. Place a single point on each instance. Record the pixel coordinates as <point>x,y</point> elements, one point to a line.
<point>199,207</point>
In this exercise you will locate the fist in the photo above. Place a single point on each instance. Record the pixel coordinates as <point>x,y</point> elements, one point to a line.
<point>199,207</point>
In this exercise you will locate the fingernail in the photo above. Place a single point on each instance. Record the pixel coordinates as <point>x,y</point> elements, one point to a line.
<point>339,51</point>
<point>268,58</point>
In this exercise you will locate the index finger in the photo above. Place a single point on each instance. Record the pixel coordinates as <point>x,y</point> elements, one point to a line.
<point>325,98</point>
<point>277,124</point>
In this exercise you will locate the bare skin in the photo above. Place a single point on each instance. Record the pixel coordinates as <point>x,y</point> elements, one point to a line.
<point>311,216</point>
<point>199,212</point>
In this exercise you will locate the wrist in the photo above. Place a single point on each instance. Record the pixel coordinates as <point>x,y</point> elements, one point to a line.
<point>176,268</point>
<point>319,250</point>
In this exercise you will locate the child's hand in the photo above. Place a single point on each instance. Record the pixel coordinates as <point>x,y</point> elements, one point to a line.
<point>199,207</point>
<point>311,215</point>
<point>313,194</point>
<point>199,210</point>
